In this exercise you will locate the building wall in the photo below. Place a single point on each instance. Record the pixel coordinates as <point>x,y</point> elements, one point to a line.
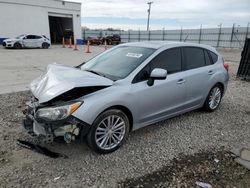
<point>31,16</point>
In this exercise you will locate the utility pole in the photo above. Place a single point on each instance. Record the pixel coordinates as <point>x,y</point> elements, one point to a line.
<point>149,9</point>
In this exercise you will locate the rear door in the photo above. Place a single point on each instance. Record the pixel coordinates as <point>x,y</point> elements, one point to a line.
<point>38,41</point>
<point>199,72</point>
<point>165,97</point>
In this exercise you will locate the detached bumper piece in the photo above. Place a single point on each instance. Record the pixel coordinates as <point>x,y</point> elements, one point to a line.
<point>40,149</point>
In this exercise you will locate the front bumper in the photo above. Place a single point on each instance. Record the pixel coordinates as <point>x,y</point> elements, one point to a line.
<point>47,131</point>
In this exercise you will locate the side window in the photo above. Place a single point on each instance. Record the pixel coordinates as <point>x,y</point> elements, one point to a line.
<point>142,75</point>
<point>29,37</point>
<point>37,37</point>
<point>194,57</point>
<point>207,58</point>
<point>169,60</point>
<point>213,56</point>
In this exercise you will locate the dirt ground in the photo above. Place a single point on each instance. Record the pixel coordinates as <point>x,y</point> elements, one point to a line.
<point>172,153</point>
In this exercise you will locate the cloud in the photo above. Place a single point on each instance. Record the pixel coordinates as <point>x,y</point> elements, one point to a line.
<point>192,12</point>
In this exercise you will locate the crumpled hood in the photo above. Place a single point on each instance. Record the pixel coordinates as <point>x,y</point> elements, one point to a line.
<point>59,79</point>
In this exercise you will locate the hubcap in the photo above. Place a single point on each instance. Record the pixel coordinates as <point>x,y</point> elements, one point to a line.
<point>214,98</point>
<point>110,132</point>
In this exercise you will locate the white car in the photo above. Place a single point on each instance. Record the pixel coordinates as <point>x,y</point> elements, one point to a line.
<point>27,41</point>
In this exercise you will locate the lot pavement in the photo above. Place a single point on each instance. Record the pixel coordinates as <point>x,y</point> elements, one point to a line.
<point>178,151</point>
<point>19,67</point>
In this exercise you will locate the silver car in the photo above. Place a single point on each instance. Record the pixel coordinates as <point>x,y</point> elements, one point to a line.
<point>27,41</point>
<point>123,89</point>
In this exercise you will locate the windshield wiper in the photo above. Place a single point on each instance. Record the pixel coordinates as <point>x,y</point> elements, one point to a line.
<point>92,71</point>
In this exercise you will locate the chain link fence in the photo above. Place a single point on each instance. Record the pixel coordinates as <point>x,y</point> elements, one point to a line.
<point>222,37</point>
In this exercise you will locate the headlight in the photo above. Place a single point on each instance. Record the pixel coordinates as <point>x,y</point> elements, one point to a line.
<point>57,113</point>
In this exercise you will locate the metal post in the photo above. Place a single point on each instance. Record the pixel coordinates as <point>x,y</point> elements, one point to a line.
<point>200,34</point>
<point>139,35</point>
<point>163,33</point>
<point>149,9</point>
<point>218,41</point>
<point>247,29</point>
<point>232,34</point>
<point>149,35</point>
<point>128,35</point>
<point>181,34</point>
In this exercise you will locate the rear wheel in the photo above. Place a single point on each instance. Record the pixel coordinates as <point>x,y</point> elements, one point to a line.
<point>17,46</point>
<point>109,131</point>
<point>213,99</point>
<point>45,45</point>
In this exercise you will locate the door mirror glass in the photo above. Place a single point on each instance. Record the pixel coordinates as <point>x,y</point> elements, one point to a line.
<point>157,74</point>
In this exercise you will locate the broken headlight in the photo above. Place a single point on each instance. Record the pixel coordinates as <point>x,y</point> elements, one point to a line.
<point>57,113</point>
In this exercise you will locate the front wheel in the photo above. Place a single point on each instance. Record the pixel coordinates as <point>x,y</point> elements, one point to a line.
<point>17,46</point>
<point>213,99</point>
<point>109,131</point>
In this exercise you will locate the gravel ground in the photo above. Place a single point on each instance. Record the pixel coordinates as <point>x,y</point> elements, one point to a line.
<point>146,150</point>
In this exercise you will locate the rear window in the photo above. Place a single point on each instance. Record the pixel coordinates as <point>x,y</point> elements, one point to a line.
<point>213,56</point>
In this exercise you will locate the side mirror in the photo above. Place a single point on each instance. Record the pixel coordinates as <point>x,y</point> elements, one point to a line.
<point>157,74</point>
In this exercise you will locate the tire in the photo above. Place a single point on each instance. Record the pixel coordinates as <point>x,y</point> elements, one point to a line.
<point>45,45</point>
<point>17,46</point>
<point>102,137</point>
<point>213,99</point>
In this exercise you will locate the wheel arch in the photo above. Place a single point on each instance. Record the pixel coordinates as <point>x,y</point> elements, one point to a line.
<point>124,110</point>
<point>221,85</point>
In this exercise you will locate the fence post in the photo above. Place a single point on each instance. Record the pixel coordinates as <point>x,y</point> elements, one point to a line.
<point>163,33</point>
<point>247,30</point>
<point>149,35</point>
<point>139,35</point>
<point>232,34</point>
<point>128,35</point>
<point>218,41</point>
<point>181,34</point>
<point>200,34</point>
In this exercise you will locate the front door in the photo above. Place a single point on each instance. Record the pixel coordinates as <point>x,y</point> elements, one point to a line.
<point>165,97</point>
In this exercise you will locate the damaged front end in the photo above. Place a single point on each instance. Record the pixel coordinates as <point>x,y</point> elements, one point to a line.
<point>54,121</point>
<point>57,94</point>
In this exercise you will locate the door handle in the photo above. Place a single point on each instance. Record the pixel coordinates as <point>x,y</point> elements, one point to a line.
<point>210,72</point>
<point>181,81</point>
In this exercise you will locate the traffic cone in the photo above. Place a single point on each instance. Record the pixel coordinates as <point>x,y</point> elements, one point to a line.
<point>88,48</point>
<point>63,42</point>
<point>105,45</point>
<point>70,43</point>
<point>76,47</point>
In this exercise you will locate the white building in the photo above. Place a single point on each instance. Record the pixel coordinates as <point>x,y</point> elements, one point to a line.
<point>53,18</point>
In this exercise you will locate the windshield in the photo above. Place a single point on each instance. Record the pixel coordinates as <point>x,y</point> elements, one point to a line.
<point>119,62</point>
<point>18,37</point>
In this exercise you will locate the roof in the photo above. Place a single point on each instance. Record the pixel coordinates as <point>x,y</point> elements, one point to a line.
<point>170,44</point>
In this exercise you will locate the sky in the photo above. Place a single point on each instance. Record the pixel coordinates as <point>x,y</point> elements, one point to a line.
<point>168,14</point>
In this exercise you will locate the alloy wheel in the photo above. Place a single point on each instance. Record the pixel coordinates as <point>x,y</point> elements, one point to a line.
<point>214,98</point>
<point>110,132</point>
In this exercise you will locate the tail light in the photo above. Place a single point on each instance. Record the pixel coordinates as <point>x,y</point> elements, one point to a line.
<point>226,66</point>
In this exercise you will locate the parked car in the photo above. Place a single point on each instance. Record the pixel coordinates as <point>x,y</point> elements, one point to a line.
<point>94,40</point>
<point>123,89</point>
<point>112,39</point>
<point>27,41</point>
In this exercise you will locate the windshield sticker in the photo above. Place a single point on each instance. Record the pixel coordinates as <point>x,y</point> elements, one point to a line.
<point>134,55</point>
